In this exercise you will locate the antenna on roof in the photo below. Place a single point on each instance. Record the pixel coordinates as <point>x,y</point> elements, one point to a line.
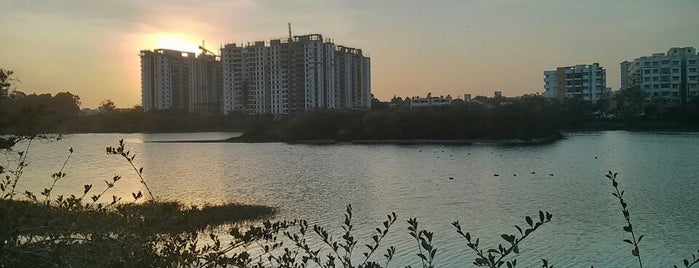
<point>289,30</point>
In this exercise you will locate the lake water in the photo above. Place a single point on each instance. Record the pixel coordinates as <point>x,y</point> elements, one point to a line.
<point>658,171</point>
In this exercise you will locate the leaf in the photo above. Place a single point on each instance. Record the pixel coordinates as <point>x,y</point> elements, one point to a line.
<point>508,238</point>
<point>541,216</point>
<point>628,228</point>
<point>635,251</point>
<point>529,221</point>
<point>628,241</point>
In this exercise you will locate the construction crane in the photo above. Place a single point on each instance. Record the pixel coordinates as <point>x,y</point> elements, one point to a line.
<point>204,50</point>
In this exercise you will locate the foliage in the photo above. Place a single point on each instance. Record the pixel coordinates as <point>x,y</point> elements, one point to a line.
<point>107,106</point>
<point>496,257</point>
<point>630,102</point>
<point>5,82</point>
<point>27,115</point>
<point>526,118</point>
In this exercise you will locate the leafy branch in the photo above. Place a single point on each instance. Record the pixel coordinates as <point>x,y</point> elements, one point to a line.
<point>119,150</point>
<point>687,263</point>
<point>627,216</point>
<point>495,257</point>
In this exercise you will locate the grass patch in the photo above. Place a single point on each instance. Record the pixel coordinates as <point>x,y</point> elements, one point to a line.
<point>29,218</point>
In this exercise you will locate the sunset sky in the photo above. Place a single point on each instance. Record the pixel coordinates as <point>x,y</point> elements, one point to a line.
<point>90,48</point>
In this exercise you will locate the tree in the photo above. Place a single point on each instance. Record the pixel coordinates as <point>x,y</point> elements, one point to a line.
<point>630,102</point>
<point>5,82</point>
<point>107,106</point>
<point>377,104</point>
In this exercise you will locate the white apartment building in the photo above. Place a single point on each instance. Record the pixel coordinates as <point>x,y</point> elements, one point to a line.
<point>295,74</point>
<point>352,79</point>
<point>670,77</point>
<point>429,101</point>
<point>583,81</point>
<point>172,79</point>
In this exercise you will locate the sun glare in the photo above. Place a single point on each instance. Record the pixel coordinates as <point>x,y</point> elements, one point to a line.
<point>176,43</point>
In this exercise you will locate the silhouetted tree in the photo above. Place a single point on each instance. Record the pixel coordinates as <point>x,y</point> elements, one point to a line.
<point>377,104</point>
<point>630,102</point>
<point>5,82</point>
<point>107,106</point>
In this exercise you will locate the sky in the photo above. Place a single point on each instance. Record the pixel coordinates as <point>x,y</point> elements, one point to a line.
<point>447,47</point>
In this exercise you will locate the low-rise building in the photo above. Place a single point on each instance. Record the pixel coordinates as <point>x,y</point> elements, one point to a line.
<point>429,101</point>
<point>670,77</point>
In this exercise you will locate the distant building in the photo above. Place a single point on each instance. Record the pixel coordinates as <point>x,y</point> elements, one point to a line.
<point>172,79</point>
<point>497,94</point>
<point>429,101</point>
<point>670,77</point>
<point>205,84</point>
<point>300,73</point>
<point>586,82</point>
<point>467,97</point>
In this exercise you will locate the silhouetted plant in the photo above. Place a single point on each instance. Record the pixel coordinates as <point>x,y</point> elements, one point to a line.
<point>424,242</point>
<point>9,185</point>
<point>56,176</point>
<point>126,154</point>
<point>687,263</point>
<point>496,257</point>
<point>627,216</point>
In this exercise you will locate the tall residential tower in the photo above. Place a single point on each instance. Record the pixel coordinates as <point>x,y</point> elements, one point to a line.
<point>176,80</point>
<point>301,73</point>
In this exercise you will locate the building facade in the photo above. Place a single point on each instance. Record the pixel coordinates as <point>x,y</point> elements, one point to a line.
<point>176,80</point>
<point>301,73</point>
<point>583,81</point>
<point>429,101</point>
<point>670,78</point>
<point>205,84</point>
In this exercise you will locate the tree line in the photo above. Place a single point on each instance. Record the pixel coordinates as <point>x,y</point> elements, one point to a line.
<point>527,117</point>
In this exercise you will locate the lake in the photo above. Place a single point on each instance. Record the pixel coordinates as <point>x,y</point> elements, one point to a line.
<point>658,172</point>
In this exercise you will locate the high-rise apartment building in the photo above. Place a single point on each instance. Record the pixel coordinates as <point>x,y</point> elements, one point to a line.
<point>300,73</point>
<point>583,81</point>
<point>205,84</point>
<point>352,79</point>
<point>669,77</point>
<point>176,80</point>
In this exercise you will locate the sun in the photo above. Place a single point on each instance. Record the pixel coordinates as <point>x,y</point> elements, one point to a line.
<point>176,42</point>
